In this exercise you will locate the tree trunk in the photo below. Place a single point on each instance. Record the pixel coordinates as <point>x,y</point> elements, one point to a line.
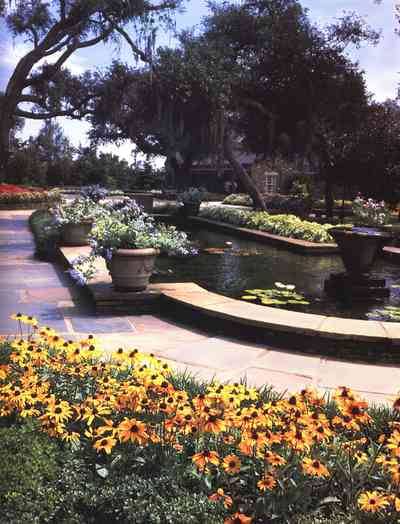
<point>242,175</point>
<point>181,171</point>
<point>329,201</point>
<point>5,129</point>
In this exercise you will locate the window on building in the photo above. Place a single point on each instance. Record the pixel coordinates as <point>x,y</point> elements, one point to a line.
<point>271,183</point>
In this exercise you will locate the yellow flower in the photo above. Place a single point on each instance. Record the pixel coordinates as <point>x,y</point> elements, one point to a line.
<point>105,444</point>
<point>315,468</point>
<point>361,457</point>
<point>205,457</point>
<point>133,430</point>
<point>267,482</point>
<point>372,501</point>
<point>231,464</point>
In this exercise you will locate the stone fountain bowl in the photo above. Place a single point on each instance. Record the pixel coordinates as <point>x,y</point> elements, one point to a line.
<point>359,246</point>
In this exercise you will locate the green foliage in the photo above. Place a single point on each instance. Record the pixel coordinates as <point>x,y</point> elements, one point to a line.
<point>225,214</point>
<point>106,169</point>
<point>128,495</point>
<point>280,295</point>
<point>291,204</point>
<point>238,199</point>
<point>82,209</point>
<point>46,233</point>
<point>386,313</point>
<point>29,468</point>
<point>45,483</point>
<point>283,225</point>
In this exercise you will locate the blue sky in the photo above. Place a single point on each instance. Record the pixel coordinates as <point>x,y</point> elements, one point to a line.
<point>380,63</point>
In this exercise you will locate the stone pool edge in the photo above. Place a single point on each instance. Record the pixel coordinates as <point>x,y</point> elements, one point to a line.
<point>368,337</point>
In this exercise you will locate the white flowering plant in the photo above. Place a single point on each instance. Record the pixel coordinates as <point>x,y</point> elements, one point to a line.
<point>79,210</point>
<point>125,226</point>
<point>370,212</point>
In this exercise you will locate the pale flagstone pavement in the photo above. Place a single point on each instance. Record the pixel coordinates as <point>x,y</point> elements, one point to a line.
<point>42,289</point>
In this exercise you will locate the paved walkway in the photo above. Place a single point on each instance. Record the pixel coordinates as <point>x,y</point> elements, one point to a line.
<point>43,290</point>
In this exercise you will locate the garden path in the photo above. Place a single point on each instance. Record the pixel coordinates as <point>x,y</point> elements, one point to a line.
<point>43,290</point>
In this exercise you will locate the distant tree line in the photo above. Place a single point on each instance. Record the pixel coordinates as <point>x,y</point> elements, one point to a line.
<point>50,160</point>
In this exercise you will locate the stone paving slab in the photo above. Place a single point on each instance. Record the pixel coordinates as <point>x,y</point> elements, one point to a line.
<point>101,325</point>
<point>366,378</point>
<point>220,354</point>
<point>304,365</point>
<point>283,382</point>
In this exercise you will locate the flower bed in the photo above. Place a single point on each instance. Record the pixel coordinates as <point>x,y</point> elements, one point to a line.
<point>20,197</point>
<point>126,430</point>
<point>284,225</point>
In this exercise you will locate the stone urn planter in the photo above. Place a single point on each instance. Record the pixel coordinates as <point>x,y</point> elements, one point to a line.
<point>359,247</point>
<point>76,234</point>
<point>131,269</point>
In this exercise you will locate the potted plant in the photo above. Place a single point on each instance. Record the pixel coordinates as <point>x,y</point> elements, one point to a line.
<point>130,240</point>
<point>360,244</point>
<point>75,220</point>
<point>191,200</point>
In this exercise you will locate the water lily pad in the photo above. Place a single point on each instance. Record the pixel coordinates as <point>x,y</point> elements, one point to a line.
<point>281,295</point>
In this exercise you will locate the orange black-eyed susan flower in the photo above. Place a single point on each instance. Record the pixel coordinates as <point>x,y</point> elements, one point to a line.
<point>133,430</point>
<point>372,501</point>
<point>314,468</point>
<point>105,444</point>
<point>205,457</point>
<point>231,464</point>
<point>268,482</point>
<point>238,518</point>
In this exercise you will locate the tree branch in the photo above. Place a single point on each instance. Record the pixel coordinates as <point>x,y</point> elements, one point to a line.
<point>96,40</point>
<point>31,98</point>
<point>58,47</point>
<point>35,36</point>
<point>52,114</point>
<point>135,49</point>
<point>62,9</point>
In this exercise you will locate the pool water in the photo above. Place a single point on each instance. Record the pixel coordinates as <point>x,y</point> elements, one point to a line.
<point>229,265</point>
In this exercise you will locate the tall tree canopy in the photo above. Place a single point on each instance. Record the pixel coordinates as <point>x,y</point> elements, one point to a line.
<point>56,29</point>
<point>259,71</point>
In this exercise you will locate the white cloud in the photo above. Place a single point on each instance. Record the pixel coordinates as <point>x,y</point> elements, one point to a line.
<point>12,52</point>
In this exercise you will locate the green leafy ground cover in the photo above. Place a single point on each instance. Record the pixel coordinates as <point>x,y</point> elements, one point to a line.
<point>289,226</point>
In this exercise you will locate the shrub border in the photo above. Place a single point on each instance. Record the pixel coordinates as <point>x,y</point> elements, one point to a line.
<point>304,247</point>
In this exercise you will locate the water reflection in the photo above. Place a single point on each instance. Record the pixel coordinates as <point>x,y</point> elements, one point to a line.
<point>245,264</point>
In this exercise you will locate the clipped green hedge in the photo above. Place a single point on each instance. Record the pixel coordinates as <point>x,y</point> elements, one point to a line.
<point>45,232</point>
<point>275,203</point>
<point>283,225</point>
<point>30,464</point>
<point>238,199</point>
<point>47,482</point>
